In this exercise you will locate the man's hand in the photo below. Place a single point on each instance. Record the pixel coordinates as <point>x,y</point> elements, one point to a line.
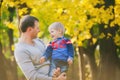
<point>56,72</point>
<point>42,60</point>
<point>59,76</point>
<point>62,76</point>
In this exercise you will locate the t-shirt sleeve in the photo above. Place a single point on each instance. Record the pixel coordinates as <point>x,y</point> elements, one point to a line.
<point>48,51</point>
<point>70,49</point>
<point>25,63</point>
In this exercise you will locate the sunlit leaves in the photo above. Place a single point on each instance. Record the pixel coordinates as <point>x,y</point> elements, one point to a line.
<point>12,47</point>
<point>94,40</point>
<point>117,14</point>
<point>22,11</point>
<point>78,16</point>
<point>117,40</point>
<point>102,35</point>
<point>10,25</point>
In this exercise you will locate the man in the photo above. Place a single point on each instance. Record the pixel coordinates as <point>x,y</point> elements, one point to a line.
<point>29,49</point>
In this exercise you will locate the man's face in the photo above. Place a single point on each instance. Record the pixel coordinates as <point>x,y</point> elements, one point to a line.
<point>35,30</point>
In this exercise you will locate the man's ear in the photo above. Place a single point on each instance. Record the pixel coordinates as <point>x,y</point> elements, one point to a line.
<point>29,29</point>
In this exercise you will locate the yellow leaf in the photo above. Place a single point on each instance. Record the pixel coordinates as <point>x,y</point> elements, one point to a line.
<point>117,39</point>
<point>13,47</point>
<point>59,10</point>
<point>10,25</point>
<point>102,35</point>
<point>74,39</point>
<point>80,43</point>
<point>109,35</point>
<point>94,40</point>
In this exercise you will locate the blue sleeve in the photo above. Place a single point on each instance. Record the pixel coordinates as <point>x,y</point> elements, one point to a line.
<point>70,49</point>
<point>48,52</point>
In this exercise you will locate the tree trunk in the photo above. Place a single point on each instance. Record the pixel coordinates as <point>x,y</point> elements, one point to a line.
<point>90,53</point>
<point>108,64</point>
<point>13,66</point>
<point>93,66</point>
<point>2,65</point>
<point>81,52</point>
<point>108,55</point>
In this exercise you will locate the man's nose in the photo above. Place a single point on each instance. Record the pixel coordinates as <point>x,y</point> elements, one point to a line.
<point>39,30</point>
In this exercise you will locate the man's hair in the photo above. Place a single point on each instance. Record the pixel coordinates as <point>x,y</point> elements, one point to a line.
<point>27,21</point>
<point>57,26</point>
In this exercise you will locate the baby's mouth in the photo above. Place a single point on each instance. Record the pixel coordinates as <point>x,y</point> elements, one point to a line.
<point>52,36</point>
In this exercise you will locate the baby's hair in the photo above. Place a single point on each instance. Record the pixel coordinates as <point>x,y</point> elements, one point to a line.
<point>57,26</point>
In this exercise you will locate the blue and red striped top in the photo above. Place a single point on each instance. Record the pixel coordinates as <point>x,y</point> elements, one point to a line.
<point>60,49</point>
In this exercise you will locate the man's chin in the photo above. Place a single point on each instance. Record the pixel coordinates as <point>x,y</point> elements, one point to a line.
<point>35,37</point>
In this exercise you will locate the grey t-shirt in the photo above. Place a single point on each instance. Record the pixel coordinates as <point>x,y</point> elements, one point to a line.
<point>28,59</point>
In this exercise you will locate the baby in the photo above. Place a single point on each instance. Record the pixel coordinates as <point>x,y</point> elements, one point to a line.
<point>60,50</point>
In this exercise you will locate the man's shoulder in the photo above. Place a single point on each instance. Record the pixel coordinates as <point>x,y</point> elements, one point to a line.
<point>38,40</point>
<point>19,46</point>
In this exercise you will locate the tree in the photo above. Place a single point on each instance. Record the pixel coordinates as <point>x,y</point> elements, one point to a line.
<point>89,23</point>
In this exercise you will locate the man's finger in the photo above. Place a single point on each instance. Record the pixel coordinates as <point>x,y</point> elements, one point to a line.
<point>64,74</point>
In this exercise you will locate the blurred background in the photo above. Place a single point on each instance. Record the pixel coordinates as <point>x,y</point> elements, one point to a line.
<point>92,25</point>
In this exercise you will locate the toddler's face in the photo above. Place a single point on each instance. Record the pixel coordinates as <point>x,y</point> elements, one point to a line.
<point>54,33</point>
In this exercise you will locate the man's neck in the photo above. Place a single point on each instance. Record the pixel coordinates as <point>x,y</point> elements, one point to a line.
<point>26,39</point>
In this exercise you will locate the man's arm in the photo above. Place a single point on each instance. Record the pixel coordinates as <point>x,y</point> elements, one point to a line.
<point>27,67</point>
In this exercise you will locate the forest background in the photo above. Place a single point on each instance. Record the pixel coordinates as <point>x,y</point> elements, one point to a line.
<point>92,25</point>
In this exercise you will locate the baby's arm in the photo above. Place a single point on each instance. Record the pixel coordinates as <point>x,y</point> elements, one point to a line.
<point>47,54</point>
<point>70,51</point>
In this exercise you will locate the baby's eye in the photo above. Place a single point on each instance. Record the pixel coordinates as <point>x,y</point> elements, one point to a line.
<point>52,31</point>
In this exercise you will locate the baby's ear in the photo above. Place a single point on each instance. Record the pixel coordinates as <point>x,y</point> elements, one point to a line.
<point>60,31</point>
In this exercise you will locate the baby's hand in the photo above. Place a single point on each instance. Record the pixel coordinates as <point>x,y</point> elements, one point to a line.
<point>70,61</point>
<point>42,60</point>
